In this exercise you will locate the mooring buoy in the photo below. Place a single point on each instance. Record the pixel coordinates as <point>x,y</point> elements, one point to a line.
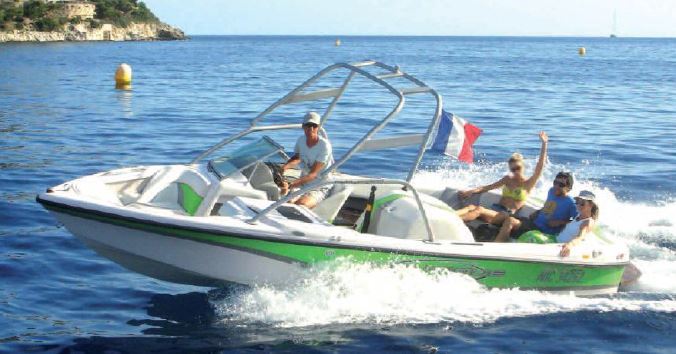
<point>123,76</point>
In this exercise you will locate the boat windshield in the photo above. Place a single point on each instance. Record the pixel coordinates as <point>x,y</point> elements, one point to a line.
<point>245,156</point>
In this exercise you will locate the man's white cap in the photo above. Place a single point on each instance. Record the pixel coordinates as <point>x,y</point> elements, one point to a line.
<point>312,117</point>
<point>586,195</point>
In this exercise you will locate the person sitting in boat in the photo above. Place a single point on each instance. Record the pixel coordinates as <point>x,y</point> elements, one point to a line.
<point>314,154</point>
<point>576,231</point>
<point>515,190</point>
<point>559,210</point>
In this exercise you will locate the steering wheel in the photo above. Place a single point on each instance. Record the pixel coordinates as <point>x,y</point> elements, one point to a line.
<point>277,173</point>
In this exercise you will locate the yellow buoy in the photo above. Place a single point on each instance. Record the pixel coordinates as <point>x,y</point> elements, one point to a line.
<point>582,51</point>
<point>123,76</point>
<point>338,42</point>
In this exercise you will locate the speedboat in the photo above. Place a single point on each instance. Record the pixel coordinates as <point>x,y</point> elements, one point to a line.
<point>221,218</point>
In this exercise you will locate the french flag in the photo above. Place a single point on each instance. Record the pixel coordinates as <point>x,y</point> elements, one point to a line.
<point>455,137</point>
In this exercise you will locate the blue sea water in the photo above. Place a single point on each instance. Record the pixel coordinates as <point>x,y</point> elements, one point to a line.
<point>611,117</point>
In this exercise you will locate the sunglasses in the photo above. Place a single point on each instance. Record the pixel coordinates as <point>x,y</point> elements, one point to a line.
<point>515,168</point>
<point>310,125</point>
<point>580,202</point>
<point>560,184</point>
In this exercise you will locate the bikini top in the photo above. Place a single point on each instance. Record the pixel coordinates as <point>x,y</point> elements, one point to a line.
<point>518,194</point>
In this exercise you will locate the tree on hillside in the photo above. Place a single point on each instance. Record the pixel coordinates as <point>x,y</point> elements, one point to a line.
<point>45,16</point>
<point>10,12</point>
<point>35,9</point>
<point>123,12</point>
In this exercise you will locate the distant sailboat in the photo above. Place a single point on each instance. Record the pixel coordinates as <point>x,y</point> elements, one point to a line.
<point>613,34</point>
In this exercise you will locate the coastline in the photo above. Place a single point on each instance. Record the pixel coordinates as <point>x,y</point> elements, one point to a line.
<point>133,32</point>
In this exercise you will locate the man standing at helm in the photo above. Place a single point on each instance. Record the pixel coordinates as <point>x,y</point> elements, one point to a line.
<point>314,154</point>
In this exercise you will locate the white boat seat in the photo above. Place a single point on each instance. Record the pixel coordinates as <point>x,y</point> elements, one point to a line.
<point>270,189</point>
<point>262,180</point>
<point>451,198</point>
<point>178,188</point>
<point>328,208</point>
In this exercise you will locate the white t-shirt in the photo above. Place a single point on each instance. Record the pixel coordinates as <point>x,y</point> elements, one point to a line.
<point>321,152</point>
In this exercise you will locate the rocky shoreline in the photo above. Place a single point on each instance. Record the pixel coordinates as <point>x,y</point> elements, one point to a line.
<point>82,32</point>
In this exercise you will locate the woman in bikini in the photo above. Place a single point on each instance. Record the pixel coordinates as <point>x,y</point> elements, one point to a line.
<point>515,190</point>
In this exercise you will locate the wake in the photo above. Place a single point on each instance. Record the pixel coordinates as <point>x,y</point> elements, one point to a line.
<point>363,293</point>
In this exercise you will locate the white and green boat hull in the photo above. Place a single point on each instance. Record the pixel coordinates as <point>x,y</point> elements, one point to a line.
<point>208,257</point>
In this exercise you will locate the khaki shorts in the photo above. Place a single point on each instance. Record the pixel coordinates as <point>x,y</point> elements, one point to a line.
<point>318,194</point>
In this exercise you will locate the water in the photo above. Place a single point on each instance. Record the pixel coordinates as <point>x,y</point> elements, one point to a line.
<point>611,117</point>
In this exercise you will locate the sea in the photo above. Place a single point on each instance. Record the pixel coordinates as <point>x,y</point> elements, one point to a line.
<point>610,116</point>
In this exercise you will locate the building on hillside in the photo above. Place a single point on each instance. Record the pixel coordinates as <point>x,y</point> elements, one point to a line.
<point>83,9</point>
<point>69,8</point>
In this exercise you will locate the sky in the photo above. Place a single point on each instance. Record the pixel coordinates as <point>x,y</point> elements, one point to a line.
<point>635,18</point>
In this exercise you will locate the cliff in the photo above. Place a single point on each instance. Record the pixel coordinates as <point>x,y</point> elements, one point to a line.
<point>81,20</point>
<point>107,32</point>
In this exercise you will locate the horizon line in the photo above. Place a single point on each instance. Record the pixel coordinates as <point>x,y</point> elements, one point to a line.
<point>435,35</point>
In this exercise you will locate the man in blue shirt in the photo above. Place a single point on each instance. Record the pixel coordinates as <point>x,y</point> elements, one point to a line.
<point>559,209</point>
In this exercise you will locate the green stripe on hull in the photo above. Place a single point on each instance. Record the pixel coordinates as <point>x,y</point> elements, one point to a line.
<point>489,272</point>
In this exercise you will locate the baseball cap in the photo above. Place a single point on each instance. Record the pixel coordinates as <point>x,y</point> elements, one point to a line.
<point>312,117</point>
<point>586,195</point>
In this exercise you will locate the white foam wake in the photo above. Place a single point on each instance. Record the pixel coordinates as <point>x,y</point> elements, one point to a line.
<point>363,293</point>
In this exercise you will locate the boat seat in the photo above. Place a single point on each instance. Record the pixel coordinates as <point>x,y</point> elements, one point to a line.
<point>177,189</point>
<point>262,180</point>
<point>328,208</point>
<point>451,198</point>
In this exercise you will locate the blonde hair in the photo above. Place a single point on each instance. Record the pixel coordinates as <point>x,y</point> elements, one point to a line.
<point>594,210</point>
<point>516,157</point>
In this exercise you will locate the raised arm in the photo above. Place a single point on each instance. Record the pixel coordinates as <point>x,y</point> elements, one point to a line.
<point>498,184</point>
<point>530,183</point>
<point>585,227</point>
